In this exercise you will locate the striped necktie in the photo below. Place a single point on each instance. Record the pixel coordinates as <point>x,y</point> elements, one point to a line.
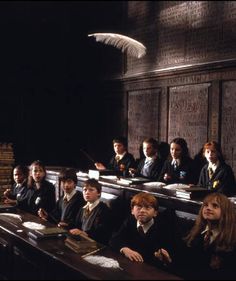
<point>87,212</point>
<point>147,168</point>
<point>210,173</point>
<point>117,158</point>
<point>207,238</point>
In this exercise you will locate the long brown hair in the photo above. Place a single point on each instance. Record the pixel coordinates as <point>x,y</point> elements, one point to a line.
<point>30,178</point>
<point>226,239</point>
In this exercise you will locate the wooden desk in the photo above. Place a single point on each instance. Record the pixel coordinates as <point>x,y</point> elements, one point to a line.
<point>166,199</point>
<point>23,258</point>
<point>124,193</point>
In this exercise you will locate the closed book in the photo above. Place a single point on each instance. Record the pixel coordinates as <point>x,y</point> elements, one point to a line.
<point>193,192</point>
<point>130,181</point>
<point>48,232</point>
<point>7,207</point>
<point>83,246</point>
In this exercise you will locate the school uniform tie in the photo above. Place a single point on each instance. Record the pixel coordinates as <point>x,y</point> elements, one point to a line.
<point>64,208</point>
<point>117,158</point>
<point>210,173</point>
<point>207,238</point>
<point>146,168</point>
<point>141,231</point>
<point>87,212</point>
<point>175,165</point>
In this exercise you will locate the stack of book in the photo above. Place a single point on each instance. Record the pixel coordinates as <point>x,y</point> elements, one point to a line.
<point>193,192</point>
<point>6,166</point>
<point>83,246</point>
<point>132,181</point>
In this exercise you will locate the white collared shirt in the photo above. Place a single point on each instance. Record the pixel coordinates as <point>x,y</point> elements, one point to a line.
<point>150,159</point>
<point>68,196</point>
<point>146,226</point>
<point>121,155</point>
<point>91,206</point>
<point>213,166</point>
<point>177,161</point>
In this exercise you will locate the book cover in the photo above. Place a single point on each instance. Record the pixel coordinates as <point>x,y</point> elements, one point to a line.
<point>192,192</point>
<point>135,180</point>
<point>48,232</point>
<point>83,246</point>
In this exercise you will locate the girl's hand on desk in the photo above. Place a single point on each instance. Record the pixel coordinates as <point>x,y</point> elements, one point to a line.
<point>132,255</point>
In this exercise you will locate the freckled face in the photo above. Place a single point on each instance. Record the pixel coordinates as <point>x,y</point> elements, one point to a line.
<point>143,214</point>
<point>211,155</point>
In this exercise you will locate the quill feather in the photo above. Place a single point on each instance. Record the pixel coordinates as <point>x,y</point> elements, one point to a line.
<point>126,44</point>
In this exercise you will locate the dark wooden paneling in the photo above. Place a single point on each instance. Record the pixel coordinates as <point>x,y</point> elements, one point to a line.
<point>143,117</point>
<point>188,115</point>
<point>228,128</point>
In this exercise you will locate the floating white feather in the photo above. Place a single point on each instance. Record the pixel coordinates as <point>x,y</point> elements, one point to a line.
<point>132,47</point>
<point>103,262</point>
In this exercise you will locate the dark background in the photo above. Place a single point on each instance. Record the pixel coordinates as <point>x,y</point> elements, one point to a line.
<point>52,78</point>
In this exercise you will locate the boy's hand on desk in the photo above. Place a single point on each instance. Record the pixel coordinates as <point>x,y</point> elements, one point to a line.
<point>132,172</point>
<point>77,231</point>
<point>132,255</point>
<point>163,256</point>
<point>7,192</point>
<point>9,201</point>
<point>62,224</point>
<point>42,214</point>
<point>99,166</point>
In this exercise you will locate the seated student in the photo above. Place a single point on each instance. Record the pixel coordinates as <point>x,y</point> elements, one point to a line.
<point>145,234</point>
<point>67,206</point>
<point>19,188</point>
<point>179,168</point>
<point>40,193</point>
<point>94,219</point>
<point>216,175</point>
<point>211,244</point>
<point>149,167</point>
<point>122,160</point>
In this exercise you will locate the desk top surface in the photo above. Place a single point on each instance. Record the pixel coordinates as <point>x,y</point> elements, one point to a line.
<point>57,250</point>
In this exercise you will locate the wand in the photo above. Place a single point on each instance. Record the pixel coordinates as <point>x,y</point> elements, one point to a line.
<point>88,156</point>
